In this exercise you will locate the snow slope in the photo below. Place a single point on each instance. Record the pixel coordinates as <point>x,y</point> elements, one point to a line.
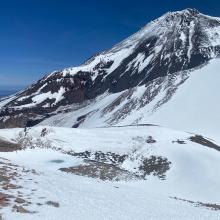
<point>82,198</point>
<point>195,106</point>
<point>193,175</point>
<point>185,101</point>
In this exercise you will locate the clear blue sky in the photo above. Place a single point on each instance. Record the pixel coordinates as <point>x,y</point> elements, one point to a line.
<point>39,36</point>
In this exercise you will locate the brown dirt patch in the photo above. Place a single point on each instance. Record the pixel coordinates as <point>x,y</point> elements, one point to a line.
<point>101,171</point>
<point>8,146</point>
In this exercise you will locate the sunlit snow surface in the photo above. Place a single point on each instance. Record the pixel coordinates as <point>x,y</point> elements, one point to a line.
<point>193,175</point>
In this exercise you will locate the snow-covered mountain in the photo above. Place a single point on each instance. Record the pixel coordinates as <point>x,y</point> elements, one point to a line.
<point>173,59</point>
<point>96,143</point>
<point>183,101</point>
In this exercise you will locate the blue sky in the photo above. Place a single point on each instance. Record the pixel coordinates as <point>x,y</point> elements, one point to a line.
<point>39,36</point>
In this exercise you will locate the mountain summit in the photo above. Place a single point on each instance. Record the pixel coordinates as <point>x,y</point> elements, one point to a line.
<point>157,58</point>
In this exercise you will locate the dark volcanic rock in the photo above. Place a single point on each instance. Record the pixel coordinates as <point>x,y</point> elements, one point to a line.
<point>52,203</point>
<point>205,142</point>
<point>158,166</point>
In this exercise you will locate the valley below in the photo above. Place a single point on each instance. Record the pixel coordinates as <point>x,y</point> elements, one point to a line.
<point>141,172</point>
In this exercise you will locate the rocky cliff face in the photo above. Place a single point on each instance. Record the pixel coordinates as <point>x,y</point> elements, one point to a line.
<point>174,43</point>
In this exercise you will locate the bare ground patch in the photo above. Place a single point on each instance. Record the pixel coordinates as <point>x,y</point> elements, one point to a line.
<point>102,168</point>
<point>101,171</point>
<point>6,146</point>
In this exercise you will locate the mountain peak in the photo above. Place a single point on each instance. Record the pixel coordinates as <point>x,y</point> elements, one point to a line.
<point>188,12</point>
<point>191,11</point>
<point>174,43</point>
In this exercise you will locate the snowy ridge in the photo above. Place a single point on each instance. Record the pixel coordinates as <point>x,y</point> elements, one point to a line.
<point>158,27</point>
<point>155,61</point>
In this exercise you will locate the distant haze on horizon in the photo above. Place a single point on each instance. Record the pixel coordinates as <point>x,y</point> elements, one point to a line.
<point>40,36</point>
